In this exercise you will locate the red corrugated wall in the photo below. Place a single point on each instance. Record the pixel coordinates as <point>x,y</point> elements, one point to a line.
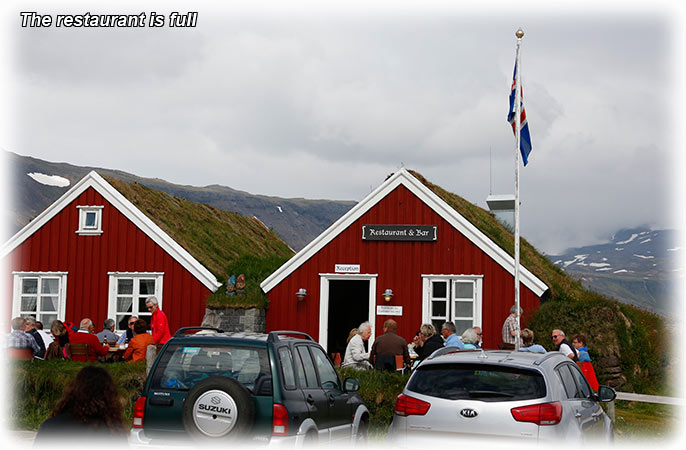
<point>122,247</point>
<point>400,266</point>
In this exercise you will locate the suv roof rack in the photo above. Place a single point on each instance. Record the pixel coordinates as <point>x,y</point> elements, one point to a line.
<point>182,331</point>
<point>548,355</point>
<point>274,335</point>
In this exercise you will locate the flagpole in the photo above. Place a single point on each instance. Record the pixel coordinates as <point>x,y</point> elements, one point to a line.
<point>518,111</point>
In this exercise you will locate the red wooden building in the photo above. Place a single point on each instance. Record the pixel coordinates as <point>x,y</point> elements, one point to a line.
<point>93,254</point>
<point>403,239</point>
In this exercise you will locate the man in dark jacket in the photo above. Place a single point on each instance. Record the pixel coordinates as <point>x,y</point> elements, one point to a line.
<point>387,346</point>
<point>30,328</point>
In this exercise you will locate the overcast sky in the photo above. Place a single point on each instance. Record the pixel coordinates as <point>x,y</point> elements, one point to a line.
<point>301,101</point>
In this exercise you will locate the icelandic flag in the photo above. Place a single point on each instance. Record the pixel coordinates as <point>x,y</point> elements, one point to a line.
<point>525,138</point>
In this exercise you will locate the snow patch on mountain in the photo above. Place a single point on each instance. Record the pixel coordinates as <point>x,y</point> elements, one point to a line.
<point>49,180</point>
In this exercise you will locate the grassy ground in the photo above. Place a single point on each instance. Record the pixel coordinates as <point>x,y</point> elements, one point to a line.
<point>647,422</point>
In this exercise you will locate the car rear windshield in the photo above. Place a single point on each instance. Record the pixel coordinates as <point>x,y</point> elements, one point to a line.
<point>182,366</point>
<point>488,383</point>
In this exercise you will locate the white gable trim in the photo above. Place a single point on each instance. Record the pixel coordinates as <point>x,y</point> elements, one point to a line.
<point>130,211</point>
<point>433,201</point>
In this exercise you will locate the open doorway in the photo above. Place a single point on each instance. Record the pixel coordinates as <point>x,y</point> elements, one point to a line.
<point>348,307</point>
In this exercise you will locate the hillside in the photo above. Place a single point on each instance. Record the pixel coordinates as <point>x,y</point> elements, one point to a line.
<point>629,346</point>
<point>297,221</point>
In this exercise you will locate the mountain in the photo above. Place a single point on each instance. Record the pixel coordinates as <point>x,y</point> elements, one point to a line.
<point>640,267</point>
<point>35,184</point>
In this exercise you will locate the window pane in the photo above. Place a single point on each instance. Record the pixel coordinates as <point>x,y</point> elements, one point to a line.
<point>124,304</point>
<point>29,286</point>
<point>439,289</point>
<point>327,373</point>
<point>125,286</point>
<point>287,367</point>
<point>48,304</point>
<point>567,381</point>
<point>28,303</point>
<point>463,309</point>
<point>310,374</point>
<point>464,290</point>
<point>437,323</point>
<point>584,389</point>
<point>91,219</point>
<point>462,325</point>
<point>147,287</point>
<point>141,304</point>
<point>438,308</point>
<point>122,321</point>
<point>47,320</point>
<point>50,285</point>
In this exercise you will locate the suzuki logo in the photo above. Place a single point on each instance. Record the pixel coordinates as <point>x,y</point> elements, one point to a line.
<point>215,400</point>
<point>469,413</point>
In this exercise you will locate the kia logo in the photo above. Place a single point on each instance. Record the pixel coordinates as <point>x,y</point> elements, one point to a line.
<point>469,413</point>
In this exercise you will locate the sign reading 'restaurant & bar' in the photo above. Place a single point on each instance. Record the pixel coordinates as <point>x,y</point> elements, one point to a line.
<point>399,232</point>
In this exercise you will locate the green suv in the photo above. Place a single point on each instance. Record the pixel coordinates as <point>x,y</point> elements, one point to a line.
<point>208,385</point>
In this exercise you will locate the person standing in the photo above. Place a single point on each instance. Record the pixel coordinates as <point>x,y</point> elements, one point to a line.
<point>510,326</point>
<point>108,332</point>
<point>355,354</point>
<point>158,322</point>
<point>563,346</point>
<point>387,346</point>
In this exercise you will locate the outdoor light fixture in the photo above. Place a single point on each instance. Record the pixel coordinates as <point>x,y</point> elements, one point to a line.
<point>387,294</point>
<point>302,292</point>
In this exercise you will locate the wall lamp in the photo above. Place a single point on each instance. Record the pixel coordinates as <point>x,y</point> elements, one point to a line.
<point>302,292</point>
<point>387,294</point>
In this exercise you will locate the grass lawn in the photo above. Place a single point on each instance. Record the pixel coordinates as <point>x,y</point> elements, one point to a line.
<point>647,422</point>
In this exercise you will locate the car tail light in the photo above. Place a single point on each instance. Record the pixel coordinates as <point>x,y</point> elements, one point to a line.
<point>541,414</point>
<point>139,412</point>
<point>410,406</point>
<point>279,420</point>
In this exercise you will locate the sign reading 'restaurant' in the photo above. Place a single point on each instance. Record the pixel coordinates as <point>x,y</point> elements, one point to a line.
<point>399,232</point>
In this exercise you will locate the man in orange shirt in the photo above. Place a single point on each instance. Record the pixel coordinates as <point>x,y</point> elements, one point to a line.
<point>138,346</point>
<point>85,335</point>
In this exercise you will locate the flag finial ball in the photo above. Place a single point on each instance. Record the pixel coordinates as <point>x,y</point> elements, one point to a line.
<point>519,33</point>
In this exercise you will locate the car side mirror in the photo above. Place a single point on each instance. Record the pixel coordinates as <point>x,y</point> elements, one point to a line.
<point>606,394</point>
<point>351,385</point>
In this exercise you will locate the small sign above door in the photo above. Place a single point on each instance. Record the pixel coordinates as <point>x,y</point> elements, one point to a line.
<point>347,268</point>
<point>399,232</point>
<point>387,310</point>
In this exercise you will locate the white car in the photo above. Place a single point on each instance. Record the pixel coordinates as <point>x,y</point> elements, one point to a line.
<point>499,395</point>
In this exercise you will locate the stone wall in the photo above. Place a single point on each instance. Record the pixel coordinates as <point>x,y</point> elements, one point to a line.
<point>241,319</point>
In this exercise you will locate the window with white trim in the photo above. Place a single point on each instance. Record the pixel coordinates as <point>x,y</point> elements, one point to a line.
<point>454,298</point>
<point>90,220</point>
<point>39,294</point>
<point>128,293</point>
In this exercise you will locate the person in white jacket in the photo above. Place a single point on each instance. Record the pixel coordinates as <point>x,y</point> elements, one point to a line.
<point>355,355</point>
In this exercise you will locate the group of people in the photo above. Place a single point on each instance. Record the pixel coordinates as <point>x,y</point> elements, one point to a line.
<point>27,334</point>
<point>390,351</point>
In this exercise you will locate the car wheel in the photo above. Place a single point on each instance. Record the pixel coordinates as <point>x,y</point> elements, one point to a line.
<point>216,408</point>
<point>363,431</point>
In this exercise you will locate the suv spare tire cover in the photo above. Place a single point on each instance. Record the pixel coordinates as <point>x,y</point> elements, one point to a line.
<point>218,407</point>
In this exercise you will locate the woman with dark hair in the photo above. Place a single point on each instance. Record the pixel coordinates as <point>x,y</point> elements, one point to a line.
<point>138,346</point>
<point>90,408</point>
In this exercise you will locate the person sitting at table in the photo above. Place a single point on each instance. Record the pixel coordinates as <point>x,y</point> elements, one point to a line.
<point>128,335</point>
<point>85,335</point>
<point>138,346</point>
<point>60,338</point>
<point>108,332</point>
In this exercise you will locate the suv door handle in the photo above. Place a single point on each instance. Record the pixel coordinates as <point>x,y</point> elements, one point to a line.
<point>577,415</point>
<point>310,399</point>
<point>331,398</point>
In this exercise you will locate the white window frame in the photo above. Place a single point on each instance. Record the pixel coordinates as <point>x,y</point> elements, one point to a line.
<point>61,294</point>
<point>95,229</point>
<point>477,292</point>
<point>114,277</point>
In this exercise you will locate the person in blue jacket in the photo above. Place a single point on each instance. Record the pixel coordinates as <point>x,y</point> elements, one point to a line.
<point>579,344</point>
<point>528,343</point>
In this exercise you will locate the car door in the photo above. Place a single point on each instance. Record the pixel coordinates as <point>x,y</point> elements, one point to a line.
<point>596,427</point>
<point>339,417</point>
<point>577,401</point>
<point>315,397</point>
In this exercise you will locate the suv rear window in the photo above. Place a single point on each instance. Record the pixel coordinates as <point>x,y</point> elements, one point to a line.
<point>182,366</point>
<point>483,382</point>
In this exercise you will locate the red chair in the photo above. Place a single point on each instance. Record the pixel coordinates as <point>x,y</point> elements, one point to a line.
<point>23,354</point>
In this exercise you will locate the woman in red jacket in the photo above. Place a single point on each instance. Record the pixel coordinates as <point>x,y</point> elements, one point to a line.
<point>158,322</point>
